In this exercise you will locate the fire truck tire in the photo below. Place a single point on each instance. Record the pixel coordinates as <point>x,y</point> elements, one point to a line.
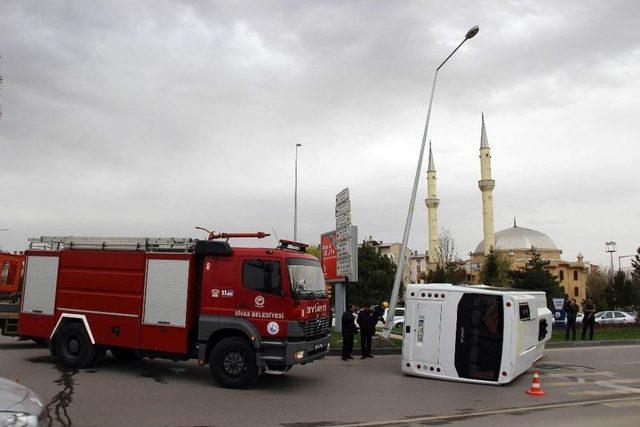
<point>124,354</point>
<point>73,346</point>
<point>233,363</point>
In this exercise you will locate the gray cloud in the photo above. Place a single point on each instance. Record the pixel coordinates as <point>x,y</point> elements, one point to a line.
<point>153,117</point>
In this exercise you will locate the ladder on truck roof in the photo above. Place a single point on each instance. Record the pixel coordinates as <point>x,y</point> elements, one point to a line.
<point>145,244</point>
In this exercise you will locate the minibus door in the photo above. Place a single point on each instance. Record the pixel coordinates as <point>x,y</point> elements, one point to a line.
<point>427,331</point>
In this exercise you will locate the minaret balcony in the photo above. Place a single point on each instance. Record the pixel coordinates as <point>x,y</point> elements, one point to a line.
<point>432,202</point>
<point>486,184</point>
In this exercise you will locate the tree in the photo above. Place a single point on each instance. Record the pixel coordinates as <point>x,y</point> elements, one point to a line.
<point>448,269</point>
<point>635,264</point>
<point>315,250</point>
<point>534,276</point>
<point>635,275</point>
<point>625,293</point>
<point>598,288</point>
<point>375,277</point>
<point>495,270</point>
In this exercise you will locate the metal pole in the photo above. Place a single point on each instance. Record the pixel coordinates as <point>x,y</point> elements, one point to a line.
<point>295,201</point>
<point>613,281</point>
<point>407,226</point>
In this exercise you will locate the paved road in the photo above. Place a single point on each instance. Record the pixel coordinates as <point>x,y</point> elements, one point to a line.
<point>585,387</point>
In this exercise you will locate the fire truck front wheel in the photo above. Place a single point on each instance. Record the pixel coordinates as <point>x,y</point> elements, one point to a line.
<point>233,363</point>
<point>73,346</point>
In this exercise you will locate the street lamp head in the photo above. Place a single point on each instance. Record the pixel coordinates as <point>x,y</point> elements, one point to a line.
<point>611,246</point>
<point>472,32</point>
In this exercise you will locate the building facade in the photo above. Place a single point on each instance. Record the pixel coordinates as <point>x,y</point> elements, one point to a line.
<point>515,242</point>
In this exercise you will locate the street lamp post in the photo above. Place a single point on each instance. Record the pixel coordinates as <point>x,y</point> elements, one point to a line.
<point>407,227</point>
<point>623,256</point>
<point>611,248</point>
<point>295,200</point>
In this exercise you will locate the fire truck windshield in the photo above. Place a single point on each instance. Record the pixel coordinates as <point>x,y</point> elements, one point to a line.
<point>307,278</point>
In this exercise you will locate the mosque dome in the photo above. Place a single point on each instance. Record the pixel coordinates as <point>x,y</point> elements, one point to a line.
<point>520,238</point>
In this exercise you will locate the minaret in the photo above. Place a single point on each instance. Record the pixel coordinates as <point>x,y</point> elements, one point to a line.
<point>432,203</point>
<point>486,185</point>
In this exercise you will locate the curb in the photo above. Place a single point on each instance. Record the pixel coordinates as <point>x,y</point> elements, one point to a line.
<point>551,345</point>
<point>374,350</point>
<point>601,343</point>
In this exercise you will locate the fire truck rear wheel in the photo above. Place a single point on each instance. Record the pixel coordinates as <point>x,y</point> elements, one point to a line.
<point>233,362</point>
<point>73,346</point>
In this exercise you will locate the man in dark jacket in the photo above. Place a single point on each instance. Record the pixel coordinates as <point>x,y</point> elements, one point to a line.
<point>571,311</point>
<point>348,331</point>
<point>589,319</point>
<point>367,329</point>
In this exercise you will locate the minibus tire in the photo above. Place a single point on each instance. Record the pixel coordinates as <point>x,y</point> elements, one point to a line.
<point>233,363</point>
<point>73,346</point>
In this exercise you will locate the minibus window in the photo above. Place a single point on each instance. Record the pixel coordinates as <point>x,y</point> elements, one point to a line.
<point>479,335</point>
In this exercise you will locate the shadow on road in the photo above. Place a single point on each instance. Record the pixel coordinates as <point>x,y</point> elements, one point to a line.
<point>166,372</point>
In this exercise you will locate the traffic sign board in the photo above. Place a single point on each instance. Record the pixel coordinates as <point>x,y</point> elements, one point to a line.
<point>343,208</point>
<point>344,266</point>
<point>344,248</point>
<point>342,196</point>
<point>343,233</point>
<point>343,221</point>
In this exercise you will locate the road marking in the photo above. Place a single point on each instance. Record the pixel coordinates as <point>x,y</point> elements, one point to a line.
<point>581,374</point>
<point>622,404</point>
<point>467,415</point>
<point>578,382</point>
<point>590,347</point>
<point>591,393</point>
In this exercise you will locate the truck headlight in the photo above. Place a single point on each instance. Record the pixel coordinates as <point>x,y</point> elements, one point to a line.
<point>299,355</point>
<point>20,419</point>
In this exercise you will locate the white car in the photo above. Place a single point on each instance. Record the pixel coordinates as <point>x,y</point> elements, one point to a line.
<point>398,319</point>
<point>19,406</point>
<point>611,317</point>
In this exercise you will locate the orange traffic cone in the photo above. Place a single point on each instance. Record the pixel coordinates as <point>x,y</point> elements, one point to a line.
<point>535,389</point>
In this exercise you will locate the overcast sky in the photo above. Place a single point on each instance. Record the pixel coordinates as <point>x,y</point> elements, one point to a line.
<point>151,118</point>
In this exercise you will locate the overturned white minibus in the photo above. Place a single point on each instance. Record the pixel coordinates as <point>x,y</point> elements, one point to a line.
<point>472,333</point>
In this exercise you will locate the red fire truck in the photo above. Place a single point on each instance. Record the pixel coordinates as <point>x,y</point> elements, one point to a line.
<point>244,311</point>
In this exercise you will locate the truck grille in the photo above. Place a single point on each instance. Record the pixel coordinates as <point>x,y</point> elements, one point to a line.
<point>316,328</point>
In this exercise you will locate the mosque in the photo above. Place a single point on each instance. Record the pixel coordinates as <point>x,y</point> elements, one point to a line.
<point>512,243</point>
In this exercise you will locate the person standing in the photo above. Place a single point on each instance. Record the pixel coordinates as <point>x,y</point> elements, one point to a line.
<point>589,320</point>
<point>348,331</point>
<point>378,313</point>
<point>367,329</point>
<point>571,311</point>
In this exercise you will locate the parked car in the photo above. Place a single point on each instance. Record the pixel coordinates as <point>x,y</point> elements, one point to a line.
<point>398,319</point>
<point>19,406</point>
<point>611,317</point>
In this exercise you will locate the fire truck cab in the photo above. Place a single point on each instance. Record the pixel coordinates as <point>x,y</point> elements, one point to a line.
<point>243,311</point>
